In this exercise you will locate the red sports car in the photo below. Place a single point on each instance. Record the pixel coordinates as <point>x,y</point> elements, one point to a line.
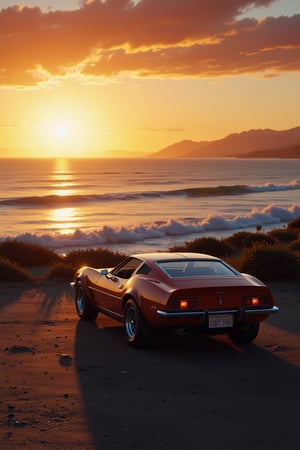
<point>178,291</point>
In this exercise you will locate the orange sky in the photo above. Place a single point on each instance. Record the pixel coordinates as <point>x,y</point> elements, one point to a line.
<point>83,78</point>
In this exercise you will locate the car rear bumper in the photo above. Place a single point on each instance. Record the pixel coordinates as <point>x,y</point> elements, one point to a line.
<point>266,311</point>
<point>241,313</point>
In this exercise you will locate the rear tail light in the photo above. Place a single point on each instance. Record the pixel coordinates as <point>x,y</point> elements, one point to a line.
<point>255,301</point>
<point>180,304</point>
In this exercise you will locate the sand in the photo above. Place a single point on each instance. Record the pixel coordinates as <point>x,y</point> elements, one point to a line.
<point>69,384</point>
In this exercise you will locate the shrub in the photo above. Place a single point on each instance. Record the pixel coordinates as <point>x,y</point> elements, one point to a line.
<point>243,239</point>
<point>269,263</point>
<point>26,254</point>
<point>10,271</point>
<point>283,235</point>
<point>294,246</point>
<point>62,271</point>
<point>294,224</point>
<point>93,258</point>
<point>209,245</point>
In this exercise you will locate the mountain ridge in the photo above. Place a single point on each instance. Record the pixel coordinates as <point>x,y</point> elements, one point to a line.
<point>250,143</point>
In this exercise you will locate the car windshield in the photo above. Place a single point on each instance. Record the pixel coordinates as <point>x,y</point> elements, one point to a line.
<point>196,268</point>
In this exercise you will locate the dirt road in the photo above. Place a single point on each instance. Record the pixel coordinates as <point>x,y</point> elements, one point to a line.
<point>68,384</point>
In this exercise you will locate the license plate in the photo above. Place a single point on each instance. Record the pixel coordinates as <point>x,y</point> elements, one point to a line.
<point>220,321</point>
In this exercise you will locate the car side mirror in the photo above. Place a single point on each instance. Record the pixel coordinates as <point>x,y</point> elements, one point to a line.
<point>103,272</point>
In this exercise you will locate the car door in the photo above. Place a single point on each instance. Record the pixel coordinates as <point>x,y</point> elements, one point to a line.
<point>112,286</point>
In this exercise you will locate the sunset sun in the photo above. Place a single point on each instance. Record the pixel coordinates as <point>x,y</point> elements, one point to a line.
<point>68,129</point>
<point>61,131</point>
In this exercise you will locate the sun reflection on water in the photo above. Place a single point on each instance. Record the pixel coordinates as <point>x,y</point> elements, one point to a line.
<point>62,179</point>
<point>63,219</point>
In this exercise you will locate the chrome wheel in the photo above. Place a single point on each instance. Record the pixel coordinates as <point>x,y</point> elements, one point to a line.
<point>137,331</point>
<point>130,322</point>
<point>80,301</point>
<point>85,309</point>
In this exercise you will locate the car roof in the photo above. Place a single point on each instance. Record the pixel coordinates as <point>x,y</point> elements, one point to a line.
<point>169,256</point>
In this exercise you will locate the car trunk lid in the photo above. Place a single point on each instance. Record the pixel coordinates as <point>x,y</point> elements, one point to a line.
<point>221,295</point>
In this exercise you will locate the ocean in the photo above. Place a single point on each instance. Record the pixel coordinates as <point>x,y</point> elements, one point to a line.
<point>136,205</point>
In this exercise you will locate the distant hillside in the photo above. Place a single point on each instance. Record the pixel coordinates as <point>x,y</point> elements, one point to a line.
<point>233,145</point>
<point>179,149</point>
<point>292,151</point>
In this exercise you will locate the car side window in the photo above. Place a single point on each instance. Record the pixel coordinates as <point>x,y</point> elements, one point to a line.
<point>144,269</point>
<point>126,269</point>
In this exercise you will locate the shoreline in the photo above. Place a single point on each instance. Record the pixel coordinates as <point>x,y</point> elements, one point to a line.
<point>83,204</point>
<point>134,246</point>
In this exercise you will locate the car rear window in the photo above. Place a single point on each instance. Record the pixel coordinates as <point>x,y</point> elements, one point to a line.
<point>196,268</point>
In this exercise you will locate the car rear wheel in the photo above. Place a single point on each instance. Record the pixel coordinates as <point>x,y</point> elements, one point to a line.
<point>244,333</point>
<point>137,331</point>
<point>83,307</point>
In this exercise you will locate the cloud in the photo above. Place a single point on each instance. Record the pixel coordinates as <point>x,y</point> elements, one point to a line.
<point>170,38</point>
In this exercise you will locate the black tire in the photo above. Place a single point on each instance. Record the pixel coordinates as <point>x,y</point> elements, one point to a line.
<point>84,308</point>
<point>136,329</point>
<point>244,333</point>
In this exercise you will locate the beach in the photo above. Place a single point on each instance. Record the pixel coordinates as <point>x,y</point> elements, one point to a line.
<point>70,384</point>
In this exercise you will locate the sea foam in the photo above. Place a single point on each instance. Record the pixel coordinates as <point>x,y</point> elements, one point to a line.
<point>271,215</point>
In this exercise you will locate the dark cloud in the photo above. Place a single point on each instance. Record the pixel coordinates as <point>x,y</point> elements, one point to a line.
<point>159,38</point>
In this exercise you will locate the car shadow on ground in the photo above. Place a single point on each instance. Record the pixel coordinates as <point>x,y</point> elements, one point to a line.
<point>186,392</point>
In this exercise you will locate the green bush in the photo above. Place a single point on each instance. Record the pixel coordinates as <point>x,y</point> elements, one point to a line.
<point>10,271</point>
<point>93,258</point>
<point>26,254</point>
<point>269,263</point>
<point>245,239</point>
<point>283,235</point>
<point>294,224</point>
<point>208,245</point>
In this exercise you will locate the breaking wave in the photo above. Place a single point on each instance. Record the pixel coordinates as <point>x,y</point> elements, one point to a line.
<point>159,231</point>
<point>214,191</point>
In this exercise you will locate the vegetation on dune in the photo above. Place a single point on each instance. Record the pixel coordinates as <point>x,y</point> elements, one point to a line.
<point>16,255</point>
<point>268,256</point>
<point>269,263</point>
<point>283,235</point>
<point>10,271</point>
<point>68,264</point>
<point>26,254</point>
<point>294,246</point>
<point>209,245</point>
<point>294,224</point>
<point>93,257</point>
<point>61,271</point>
<point>243,239</point>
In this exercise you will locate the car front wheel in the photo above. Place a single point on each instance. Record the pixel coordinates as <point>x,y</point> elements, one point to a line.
<point>137,331</point>
<point>83,307</point>
<point>244,333</point>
